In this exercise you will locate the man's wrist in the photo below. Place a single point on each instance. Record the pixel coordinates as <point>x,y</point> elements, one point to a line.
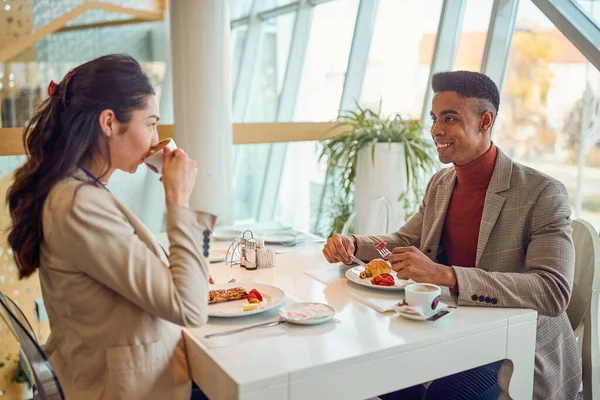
<point>355,243</point>
<point>450,278</point>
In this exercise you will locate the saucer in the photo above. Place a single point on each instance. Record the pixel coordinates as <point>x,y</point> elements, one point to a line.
<point>309,313</point>
<point>441,306</point>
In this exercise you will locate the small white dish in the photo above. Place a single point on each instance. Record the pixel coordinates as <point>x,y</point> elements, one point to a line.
<point>353,275</point>
<point>226,233</point>
<point>280,238</point>
<point>216,256</point>
<point>441,306</point>
<point>272,297</point>
<point>299,313</point>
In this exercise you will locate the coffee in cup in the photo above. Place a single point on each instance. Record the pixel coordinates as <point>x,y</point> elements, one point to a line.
<point>424,295</point>
<point>425,288</point>
<point>154,157</point>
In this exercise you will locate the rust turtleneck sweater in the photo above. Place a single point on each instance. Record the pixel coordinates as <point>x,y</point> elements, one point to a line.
<point>461,226</point>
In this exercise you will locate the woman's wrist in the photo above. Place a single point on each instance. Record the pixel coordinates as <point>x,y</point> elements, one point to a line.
<point>176,199</point>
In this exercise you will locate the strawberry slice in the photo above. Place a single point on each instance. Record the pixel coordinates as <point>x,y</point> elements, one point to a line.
<point>251,296</point>
<point>257,294</point>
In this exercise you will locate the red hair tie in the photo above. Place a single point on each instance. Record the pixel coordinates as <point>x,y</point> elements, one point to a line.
<point>52,89</point>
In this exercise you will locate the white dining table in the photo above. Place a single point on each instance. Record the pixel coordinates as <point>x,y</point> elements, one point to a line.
<point>362,353</point>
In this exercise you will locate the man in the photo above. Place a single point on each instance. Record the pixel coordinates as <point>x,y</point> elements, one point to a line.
<point>496,232</point>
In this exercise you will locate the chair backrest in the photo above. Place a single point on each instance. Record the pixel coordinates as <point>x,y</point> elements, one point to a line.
<point>373,219</point>
<point>587,270</point>
<point>584,306</point>
<point>38,368</point>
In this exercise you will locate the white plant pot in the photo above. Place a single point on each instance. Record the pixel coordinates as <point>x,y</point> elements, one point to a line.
<point>385,177</point>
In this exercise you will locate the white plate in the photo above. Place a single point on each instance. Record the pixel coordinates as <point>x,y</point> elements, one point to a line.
<point>283,312</point>
<point>280,238</point>
<point>272,297</point>
<point>353,274</point>
<point>226,233</point>
<point>217,256</point>
<point>440,307</point>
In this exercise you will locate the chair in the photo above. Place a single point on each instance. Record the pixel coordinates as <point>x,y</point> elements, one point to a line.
<point>36,365</point>
<point>583,309</point>
<point>372,219</point>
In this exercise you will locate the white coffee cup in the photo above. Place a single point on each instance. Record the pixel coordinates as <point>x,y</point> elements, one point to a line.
<point>154,159</point>
<point>424,295</point>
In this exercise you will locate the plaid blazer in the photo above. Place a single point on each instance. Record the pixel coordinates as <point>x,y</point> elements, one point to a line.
<point>525,259</point>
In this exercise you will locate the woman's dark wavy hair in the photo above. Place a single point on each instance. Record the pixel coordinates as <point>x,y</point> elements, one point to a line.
<point>64,134</point>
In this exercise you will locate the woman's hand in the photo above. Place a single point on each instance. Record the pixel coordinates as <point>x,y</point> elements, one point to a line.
<point>179,177</point>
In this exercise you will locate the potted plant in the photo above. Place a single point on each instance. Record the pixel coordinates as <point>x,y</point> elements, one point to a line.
<point>373,156</point>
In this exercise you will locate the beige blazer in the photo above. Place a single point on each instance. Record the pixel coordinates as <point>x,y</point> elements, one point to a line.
<point>116,300</point>
<point>525,259</point>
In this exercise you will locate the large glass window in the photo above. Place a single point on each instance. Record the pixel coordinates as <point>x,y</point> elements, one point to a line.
<point>400,56</point>
<point>270,71</point>
<point>549,103</point>
<point>326,61</point>
<point>237,41</point>
<point>474,32</point>
<point>318,100</point>
<point>251,164</point>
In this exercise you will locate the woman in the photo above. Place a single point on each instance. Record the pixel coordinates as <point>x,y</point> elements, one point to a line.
<point>116,300</point>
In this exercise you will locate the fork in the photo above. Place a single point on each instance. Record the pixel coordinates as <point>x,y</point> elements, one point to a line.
<point>263,325</point>
<point>383,251</point>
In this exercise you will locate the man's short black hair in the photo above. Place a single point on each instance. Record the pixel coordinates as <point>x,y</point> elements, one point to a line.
<point>468,84</point>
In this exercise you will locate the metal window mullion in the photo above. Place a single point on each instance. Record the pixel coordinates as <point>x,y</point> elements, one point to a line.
<point>317,2</point>
<point>285,110</point>
<point>278,11</point>
<point>245,78</point>
<point>446,47</point>
<point>359,53</point>
<point>499,40</point>
<point>576,25</point>
<point>247,68</point>
<point>240,22</point>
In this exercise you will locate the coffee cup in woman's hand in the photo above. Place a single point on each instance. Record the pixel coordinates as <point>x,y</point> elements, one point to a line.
<point>178,176</point>
<point>154,158</point>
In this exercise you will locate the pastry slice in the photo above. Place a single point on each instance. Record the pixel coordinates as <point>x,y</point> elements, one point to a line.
<point>221,295</point>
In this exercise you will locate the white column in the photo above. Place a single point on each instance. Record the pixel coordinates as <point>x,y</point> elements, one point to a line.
<point>202,99</point>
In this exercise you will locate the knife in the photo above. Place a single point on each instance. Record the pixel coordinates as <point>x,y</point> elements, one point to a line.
<point>359,262</point>
<point>246,328</point>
